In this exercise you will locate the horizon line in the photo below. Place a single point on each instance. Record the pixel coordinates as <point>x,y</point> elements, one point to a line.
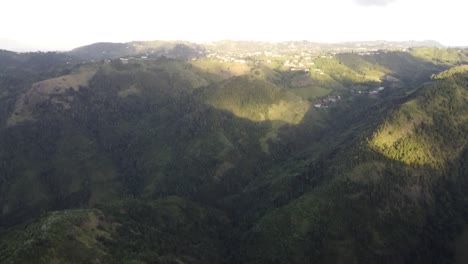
<point>25,49</point>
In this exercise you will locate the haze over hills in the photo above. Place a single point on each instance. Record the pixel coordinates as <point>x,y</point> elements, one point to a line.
<point>235,152</point>
<point>114,50</point>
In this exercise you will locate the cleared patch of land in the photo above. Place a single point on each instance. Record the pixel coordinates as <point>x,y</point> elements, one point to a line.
<point>51,90</point>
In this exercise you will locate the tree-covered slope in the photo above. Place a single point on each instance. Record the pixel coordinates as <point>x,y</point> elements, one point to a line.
<point>381,201</point>
<point>182,159</point>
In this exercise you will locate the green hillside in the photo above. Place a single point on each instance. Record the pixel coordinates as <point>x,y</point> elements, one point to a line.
<point>109,50</point>
<point>239,156</point>
<point>377,203</point>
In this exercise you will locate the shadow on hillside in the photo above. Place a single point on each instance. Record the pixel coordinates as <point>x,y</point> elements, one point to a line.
<point>166,139</point>
<point>406,67</point>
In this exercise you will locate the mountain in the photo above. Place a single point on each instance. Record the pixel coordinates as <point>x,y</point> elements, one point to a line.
<point>381,198</point>
<point>108,50</point>
<point>165,152</point>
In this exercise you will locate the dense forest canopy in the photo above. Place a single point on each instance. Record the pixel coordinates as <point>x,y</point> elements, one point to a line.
<point>234,152</point>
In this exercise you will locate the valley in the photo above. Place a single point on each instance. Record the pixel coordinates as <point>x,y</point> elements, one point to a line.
<point>234,152</point>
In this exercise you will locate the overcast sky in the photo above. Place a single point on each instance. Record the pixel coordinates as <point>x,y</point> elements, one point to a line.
<point>66,24</point>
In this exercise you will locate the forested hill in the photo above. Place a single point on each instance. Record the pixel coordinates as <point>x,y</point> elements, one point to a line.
<point>109,50</point>
<point>177,153</point>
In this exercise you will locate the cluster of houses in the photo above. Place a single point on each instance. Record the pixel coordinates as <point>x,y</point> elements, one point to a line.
<point>319,71</point>
<point>241,57</point>
<point>130,59</point>
<point>376,91</point>
<point>366,53</point>
<point>301,62</point>
<point>372,91</point>
<point>297,62</point>
<point>226,58</point>
<point>325,103</point>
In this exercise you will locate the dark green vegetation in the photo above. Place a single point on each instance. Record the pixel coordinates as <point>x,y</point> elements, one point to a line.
<point>165,159</point>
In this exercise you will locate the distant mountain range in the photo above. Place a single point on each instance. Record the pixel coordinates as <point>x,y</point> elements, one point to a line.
<point>107,50</point>
<point>138,46</point>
